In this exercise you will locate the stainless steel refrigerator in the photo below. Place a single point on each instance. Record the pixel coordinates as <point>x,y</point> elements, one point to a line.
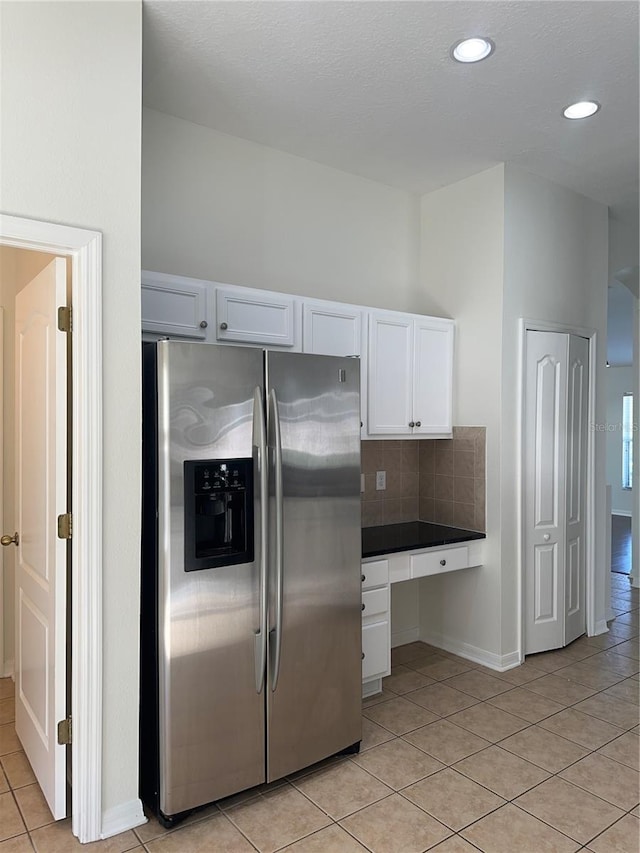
<point>251,592</point>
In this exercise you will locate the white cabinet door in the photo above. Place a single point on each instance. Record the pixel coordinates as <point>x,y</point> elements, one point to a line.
<point>432,376</point>
<point>253,317</point>
<point>390,388</point>
<point>174,307</point>
<point>331,329</point>
<point>335,329</point>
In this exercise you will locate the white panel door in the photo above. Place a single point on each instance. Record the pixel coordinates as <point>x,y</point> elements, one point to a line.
<point>41,495</point>
<point>545,450</point>
<point>432,377</point>
<point>390,388</point>
<point>334,329</point>
<point>576,482</point>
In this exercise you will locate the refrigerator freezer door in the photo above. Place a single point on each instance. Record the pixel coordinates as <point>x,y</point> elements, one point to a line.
<point>313,710</point>
<point>211,717</point>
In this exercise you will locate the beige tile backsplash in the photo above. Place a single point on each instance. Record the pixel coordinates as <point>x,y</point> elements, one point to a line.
<point>441,480</point>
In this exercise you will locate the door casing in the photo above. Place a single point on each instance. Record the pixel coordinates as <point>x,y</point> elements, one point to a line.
<point>593,626</point>
<point>83,248</point>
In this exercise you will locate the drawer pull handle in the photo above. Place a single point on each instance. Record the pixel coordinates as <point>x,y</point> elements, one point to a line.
<point>363,606</point>
<point>224,326</point>
<point>363,578</point>
<point>443,562</point>
<point>203,324</point>
<point>418,423</point>
<point>362,655</point>
<point>411,424</point>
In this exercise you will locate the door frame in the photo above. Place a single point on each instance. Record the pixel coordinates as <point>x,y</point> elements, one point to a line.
<point>526,325</point>
<point>84,250</point>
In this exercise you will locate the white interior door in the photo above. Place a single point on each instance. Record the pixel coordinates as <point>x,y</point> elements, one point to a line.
<point>41,495</point>
<point>556,406</point>
<point>576,480</point>
<point>545,443</point>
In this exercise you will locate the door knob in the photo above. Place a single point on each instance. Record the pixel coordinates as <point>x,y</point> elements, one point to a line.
<point>224,326</point>
<point>418,424</point>
<point>411,424</point>
<point>9,540</point>
<point>546,537</point>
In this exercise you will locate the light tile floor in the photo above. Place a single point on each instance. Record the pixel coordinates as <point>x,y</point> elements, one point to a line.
<point>455,758</point>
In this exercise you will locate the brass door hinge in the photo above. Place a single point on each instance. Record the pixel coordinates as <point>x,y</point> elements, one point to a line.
<point>64,732</point>
<point>64,318</point>
<point>65,526</point>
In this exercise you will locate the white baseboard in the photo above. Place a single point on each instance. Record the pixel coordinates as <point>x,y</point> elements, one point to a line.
<point>8,671</point>
<point>401,638</point>
<point>601,627</point>
<point>624,512</point>
<point>122,817</point>
<point>500,663</point>
<point>370,688</point>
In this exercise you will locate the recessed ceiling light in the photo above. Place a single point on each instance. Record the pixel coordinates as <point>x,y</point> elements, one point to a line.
<point>472,50</point>
<point>582,109</point>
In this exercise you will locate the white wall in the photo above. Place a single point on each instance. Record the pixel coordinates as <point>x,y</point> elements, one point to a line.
<point>71,83</point>
<point>619,380</point>
<point>556,269</point>
<point>462,275</point>
<point>220,208</point>
<point>17,268</point>
<point>496,247</point>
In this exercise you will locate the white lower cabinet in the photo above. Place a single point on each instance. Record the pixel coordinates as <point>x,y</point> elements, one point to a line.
<point>378,577</point>
<point>376,626</point>
<point>375,650</point>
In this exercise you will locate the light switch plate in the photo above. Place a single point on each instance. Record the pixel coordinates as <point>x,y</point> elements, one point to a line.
<point>381,480</point>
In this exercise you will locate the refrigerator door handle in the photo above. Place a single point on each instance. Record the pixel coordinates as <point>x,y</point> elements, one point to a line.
<point>260,443</point>
<point>279,538</point>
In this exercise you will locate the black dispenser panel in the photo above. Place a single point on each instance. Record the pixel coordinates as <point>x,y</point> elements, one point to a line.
<point>218,513</point>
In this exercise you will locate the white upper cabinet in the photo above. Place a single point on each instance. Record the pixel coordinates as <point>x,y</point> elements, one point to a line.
<point>410,375</point>
<point>331,328</point>
<point>406,360</point>
<point>390,388</point>
<point>432,376</point>
<point>254,317</point>
<point>174,307</point>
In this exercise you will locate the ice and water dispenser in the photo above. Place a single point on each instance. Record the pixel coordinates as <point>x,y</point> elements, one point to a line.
<point>218,507</point>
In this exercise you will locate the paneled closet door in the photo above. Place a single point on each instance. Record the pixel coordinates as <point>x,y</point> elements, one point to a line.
<point>556,406</point>
<point>576,484</point>
<point>545,443</point>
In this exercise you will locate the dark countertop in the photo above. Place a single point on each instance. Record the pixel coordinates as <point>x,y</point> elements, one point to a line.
<point>411,535</point>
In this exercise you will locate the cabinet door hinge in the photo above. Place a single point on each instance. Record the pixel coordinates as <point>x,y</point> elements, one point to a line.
<point>64,318</point>
<point>65,526</point>
<point>64,732</point>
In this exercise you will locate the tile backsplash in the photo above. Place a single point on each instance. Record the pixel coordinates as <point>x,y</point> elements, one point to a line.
<point>440,480</point>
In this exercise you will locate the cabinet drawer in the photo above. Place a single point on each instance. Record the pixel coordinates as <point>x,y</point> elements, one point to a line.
<point>375,601</point>
<point>376,651</point>
<point>436,562</point>
<point>375,574</point>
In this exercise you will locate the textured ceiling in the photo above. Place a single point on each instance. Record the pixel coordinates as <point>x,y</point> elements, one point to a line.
<point>369,88</point>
